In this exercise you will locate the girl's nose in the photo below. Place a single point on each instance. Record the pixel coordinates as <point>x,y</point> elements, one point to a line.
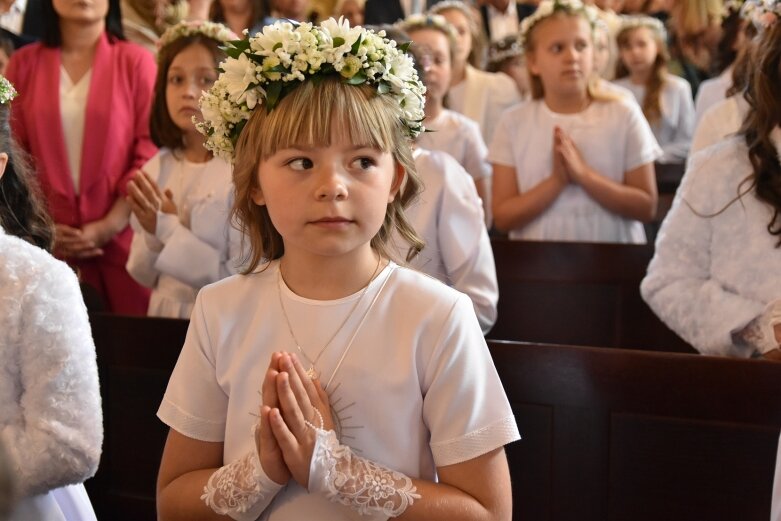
<point>331,186</point>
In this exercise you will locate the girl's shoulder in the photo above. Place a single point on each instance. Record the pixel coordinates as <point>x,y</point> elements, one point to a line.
<point>678,84</point>
<point>31,265</point>
<point>439,166</point>
<point>715,174</point>
<point>416,289</point>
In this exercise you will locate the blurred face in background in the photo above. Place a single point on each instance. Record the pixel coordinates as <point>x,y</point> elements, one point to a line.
<point>352,11</point>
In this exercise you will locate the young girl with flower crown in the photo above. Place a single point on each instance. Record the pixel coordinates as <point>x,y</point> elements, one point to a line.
<point>573,164</point>
<point>450,131</point>
<point>712,279</point>
<point>666,99</point>
<point>326,382</point>
<point>181,198</point>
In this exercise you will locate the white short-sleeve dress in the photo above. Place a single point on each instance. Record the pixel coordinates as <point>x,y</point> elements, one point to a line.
<point>416,389</point>
<point>613,138</point>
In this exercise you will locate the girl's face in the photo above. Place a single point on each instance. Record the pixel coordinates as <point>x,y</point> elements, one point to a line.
<point>601,52</point>
<point>84,11</point>
<point>293,9</point>
<point>463,34</point>
<point>563,55</point>
<point>353,12</point>
<point>436,48</point>
<point>327,201</point>
<point>191,72</point>
<point>638,50</point>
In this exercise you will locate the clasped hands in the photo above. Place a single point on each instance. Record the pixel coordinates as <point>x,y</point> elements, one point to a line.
<point>286,440</point>
<point>568,164</point>
<point>146,198</point>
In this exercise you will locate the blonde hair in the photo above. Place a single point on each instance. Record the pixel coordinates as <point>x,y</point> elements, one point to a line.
<point>652,102</point>
<point>478,51</point>
<point>593,87</point>
<point>303,118</point>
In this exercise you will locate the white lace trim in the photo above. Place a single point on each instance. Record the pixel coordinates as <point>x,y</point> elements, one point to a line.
<point>475,443</point>
<point>241,489</point>
<point>356,482</point>
<point>760,333</point>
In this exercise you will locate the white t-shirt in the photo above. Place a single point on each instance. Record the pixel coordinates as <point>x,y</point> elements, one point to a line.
<point>448,216</point>
<point>460,137</point>
<point>612,136</point>
<point>719,122</point>
<point>417,389</point>
<point>675,128</point>
<point>189,250</point>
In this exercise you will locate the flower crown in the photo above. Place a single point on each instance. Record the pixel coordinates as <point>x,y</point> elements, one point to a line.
<point>649,22</point>
<point>762,13</point>
<point>211,30</point>
<point>262,69</point>
<point>548,8</point>
<point>423,21</point>
<point>7,91</point>
<point>444,5</point>
<point>508,47</point>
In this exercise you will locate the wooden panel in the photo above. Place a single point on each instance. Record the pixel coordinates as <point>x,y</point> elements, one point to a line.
<point>577,293</point>
<point>135,359</point>
<point>641,435</point>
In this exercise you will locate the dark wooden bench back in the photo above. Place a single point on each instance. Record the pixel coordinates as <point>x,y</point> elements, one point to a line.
<point>135,359</point>
<point>614,434</point>
<point>577,293</point>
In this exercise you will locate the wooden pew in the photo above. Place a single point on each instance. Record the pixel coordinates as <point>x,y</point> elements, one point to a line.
<point>135,359</point>
<point>577,293</point>
<point>613,434</point>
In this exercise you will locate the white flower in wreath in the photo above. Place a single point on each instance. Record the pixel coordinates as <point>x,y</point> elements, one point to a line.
<point>239,74</point>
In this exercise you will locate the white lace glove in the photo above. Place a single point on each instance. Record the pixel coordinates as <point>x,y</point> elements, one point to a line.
<point>361,484</point>
<point>241,490</point>
<point>760,333</point>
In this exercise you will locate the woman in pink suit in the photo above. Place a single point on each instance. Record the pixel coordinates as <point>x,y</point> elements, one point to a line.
<point>83,115</point>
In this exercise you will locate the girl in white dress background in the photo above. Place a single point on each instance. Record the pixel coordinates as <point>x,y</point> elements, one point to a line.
<point>320,316</point>
<point>666,99</point>
<point>479,95</point>
<point>713,279</point>
<point>181,198</point>
<point>50,417</point>
<point>434,40</point>
<point>573,164</point>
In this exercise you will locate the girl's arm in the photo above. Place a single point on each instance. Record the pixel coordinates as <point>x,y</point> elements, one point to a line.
<point>636,198</point>
<point>677,149</point>
<point>476,489</point>
<point>514,209</point>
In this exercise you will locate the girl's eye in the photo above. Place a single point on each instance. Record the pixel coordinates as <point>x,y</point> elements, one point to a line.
<point>555,48</point>
<point>174,80</point>
<point>363,163</point>
<point>208,80</point>
<point>300,164</point>
<point>581,45</point>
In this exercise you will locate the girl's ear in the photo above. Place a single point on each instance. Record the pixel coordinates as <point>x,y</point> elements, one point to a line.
<point>531,64</point>
<point>398,179</point>
<point>3,163</point>
<point>256,194</point>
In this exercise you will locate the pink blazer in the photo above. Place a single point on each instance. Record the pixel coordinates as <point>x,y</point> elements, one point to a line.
<point>116,130</point>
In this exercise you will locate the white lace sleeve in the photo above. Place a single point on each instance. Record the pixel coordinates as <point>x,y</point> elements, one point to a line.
<point>241,489</point>
<point>361,484</point>
<point>760,332</point>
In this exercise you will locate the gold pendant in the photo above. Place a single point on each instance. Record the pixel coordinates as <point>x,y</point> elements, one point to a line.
<point>311,373</point>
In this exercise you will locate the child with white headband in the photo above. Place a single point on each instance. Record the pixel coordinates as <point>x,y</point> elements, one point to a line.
<point>574,163</point>
<point>181,198</point>
<point>326,382</point>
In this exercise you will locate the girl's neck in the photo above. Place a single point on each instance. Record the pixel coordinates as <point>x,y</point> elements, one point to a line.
<point>639,77</point>
<point>193,150</point>
<point>433,108</point>
<point>567,104</point>
<point>329,277</point>
<point>80,38</point>
<point>458,73</point>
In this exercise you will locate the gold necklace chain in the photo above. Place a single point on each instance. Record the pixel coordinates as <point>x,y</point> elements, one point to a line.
<point>312,372</point>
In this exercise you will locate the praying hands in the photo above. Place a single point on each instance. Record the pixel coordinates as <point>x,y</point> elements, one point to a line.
<point>146,198</point>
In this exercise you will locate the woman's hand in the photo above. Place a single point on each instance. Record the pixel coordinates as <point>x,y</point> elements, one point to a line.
<point>72,243</point>
<point>303,403</point>
<point>268,450</point>
<point>146,198</point>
